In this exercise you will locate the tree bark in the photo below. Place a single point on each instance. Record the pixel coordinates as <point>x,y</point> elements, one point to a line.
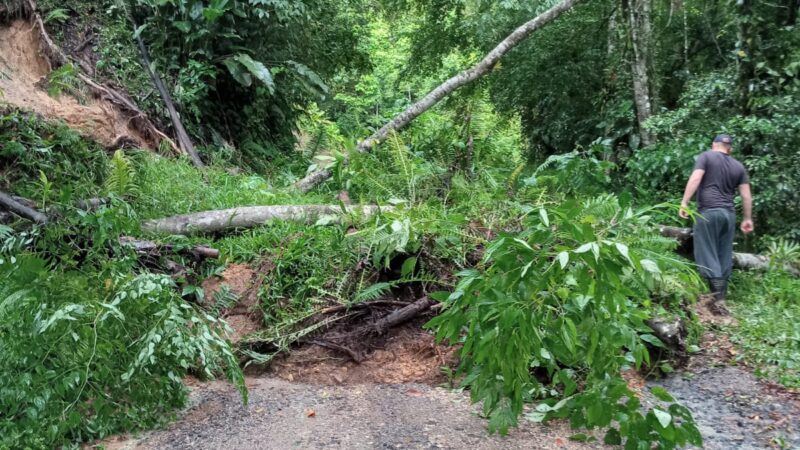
<point>149,248</point>
<point>478,70</point>
<point>183,138</point>
<point>9,203</point>
<point>640,31</point>
<point>252,216</point>
<point>403,314</point>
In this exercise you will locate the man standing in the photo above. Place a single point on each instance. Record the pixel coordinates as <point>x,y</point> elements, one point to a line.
<point>715,178</point>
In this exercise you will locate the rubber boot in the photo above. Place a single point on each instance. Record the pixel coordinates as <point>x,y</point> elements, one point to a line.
<point>719,287</point>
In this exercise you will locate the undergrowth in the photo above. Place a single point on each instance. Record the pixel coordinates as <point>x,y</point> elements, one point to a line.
<point>767,307</point>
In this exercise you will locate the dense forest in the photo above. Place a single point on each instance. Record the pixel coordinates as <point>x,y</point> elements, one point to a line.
<point>504,176</point>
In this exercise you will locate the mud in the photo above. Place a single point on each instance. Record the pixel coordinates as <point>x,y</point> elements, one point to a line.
<point>407,354</point>
<point>245,317</point>
<point>23,80</point>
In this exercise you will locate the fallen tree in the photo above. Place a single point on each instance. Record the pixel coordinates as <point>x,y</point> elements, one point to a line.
<point>151,248</point>
<point>443,90</point>
<point>745,261</point>
<point>252,216</point>
<point>17,207</point>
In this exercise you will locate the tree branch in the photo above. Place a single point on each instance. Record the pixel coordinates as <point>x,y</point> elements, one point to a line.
<point>478,70</point>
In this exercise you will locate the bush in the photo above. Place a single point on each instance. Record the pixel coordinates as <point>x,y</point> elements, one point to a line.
<point>559,310</point>
<point>83,357</point>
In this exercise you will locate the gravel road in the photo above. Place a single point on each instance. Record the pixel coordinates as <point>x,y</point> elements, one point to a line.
<point>399,416</point>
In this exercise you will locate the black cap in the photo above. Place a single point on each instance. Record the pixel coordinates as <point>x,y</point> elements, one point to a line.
<point>724,138</point>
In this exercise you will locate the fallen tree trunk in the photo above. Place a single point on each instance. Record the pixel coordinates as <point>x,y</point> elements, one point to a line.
<point>151,248</point>
<point>252,216</point>
<point>16,207</point>
<point>745,261</point>
<point>478,70</point>
<point>183,137</point>
<point>403,314</point>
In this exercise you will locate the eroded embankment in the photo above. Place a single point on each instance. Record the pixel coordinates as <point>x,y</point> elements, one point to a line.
<point>24,71</point>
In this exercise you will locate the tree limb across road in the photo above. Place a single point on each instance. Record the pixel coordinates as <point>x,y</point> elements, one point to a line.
<point>745,261</point>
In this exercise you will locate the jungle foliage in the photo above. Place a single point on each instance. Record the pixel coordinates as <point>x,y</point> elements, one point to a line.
<point>523,199</point>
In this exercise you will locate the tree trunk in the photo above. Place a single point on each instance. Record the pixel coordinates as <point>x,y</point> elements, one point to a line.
<point>744,53</point>
<point>183,138</point>
<point>252,216</point>
<point>640,31</point>
<point>154,248</point>
<point>478,70</point>
<point>14,206</point>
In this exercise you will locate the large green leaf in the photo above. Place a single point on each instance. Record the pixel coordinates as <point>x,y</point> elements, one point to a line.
<point>309,78</point>
<point>237,71</point>
<point>258,69</point>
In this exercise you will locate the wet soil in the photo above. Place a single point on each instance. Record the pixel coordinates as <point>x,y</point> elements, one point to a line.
<point>733,409</point>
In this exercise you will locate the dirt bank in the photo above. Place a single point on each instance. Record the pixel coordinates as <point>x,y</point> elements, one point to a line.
<point>23,83</point>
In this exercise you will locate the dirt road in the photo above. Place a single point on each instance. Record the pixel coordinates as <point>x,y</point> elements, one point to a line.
<point>285,415</point>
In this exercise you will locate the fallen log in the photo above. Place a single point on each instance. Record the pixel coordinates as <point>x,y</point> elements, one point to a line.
<point>11,204</point>
<point>252,216</point>
<point>402,315</point>
<point>745,261</point>
<point>142,246</point>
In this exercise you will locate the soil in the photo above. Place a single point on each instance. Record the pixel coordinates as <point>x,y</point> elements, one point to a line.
<point>244,317</point>
<point>407,354</point>
<point>23,80</point>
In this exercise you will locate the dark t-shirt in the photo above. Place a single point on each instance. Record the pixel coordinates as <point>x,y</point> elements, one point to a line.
<point>723,176</point>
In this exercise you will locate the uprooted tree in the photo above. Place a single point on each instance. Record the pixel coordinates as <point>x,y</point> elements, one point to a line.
<point>480,69</point>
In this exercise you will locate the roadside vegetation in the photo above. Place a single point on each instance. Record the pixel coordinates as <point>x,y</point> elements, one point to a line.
<point>527,204</point>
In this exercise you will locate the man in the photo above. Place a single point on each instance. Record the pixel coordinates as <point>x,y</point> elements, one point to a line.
<point>715,178</point>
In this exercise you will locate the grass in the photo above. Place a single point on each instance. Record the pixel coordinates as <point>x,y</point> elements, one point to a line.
<point>170,187</point>
<point>767,307</point>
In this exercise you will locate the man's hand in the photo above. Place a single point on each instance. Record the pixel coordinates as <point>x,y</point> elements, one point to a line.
<point>747,226</point>
<point>684,211</point>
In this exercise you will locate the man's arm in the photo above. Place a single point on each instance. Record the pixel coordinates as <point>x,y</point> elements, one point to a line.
<point>747,206</point>
<point>691,188</point>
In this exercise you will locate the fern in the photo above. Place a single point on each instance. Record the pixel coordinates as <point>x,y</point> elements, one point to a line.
<point>224,299</point>
<point>373,292</point>
<point>59,15</point>
<point>121,180</point>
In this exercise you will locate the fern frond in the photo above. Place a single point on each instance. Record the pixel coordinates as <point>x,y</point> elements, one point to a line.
<point>121,179</point>
<point>373,292</point>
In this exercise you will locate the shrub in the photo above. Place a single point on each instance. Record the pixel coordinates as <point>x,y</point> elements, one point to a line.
<point>558,311</point>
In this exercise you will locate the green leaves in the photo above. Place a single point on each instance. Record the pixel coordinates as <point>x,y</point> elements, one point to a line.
<point>566,299</point>
<point>664,418</point>
<point>258,70</point>
<point>243,68</point>
<point>122,345</point>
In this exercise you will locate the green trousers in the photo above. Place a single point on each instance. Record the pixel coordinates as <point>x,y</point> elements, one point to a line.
<point>713,243</point>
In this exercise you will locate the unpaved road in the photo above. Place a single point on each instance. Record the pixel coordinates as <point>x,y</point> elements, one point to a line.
<point>732,408</point>
<point>377,416</point>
